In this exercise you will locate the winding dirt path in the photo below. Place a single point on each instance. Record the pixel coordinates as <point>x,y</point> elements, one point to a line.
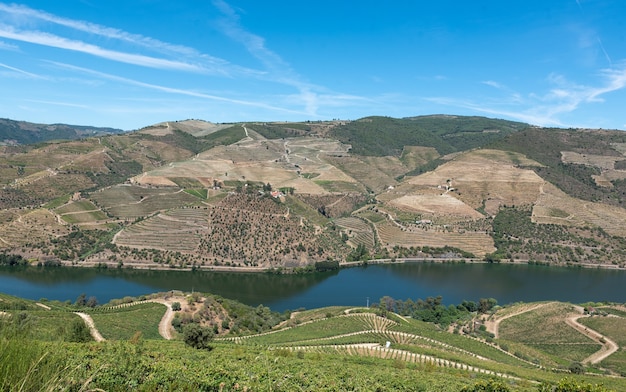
<point>493,325</point>
<point>165,325</point>
<point>92,327</point>
<point>608,345</point>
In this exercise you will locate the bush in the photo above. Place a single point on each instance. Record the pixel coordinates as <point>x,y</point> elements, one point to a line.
<point>487,386</point>
<point>176,306</point>
<point>79,332</point>
<point>576,368</point>
<point>197,336</point>
<point>568,385</point>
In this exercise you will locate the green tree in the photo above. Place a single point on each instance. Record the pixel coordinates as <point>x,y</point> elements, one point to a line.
<point>176,306</point>
<point>81,300</point>
<point>576,368</point>
<point>197,336</point>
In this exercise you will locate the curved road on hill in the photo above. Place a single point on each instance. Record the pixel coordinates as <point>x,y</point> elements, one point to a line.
<point>92,327</point>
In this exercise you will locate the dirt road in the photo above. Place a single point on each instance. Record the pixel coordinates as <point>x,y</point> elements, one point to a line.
<point>92,327</point>
<point>608,346</point>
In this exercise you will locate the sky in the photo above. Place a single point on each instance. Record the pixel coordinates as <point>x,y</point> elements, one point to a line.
<point>132,63</point>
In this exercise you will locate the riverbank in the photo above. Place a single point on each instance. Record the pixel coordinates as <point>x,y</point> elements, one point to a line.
<point>286,270</point>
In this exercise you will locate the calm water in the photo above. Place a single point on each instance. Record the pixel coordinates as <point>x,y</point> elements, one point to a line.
<point>353,286</point>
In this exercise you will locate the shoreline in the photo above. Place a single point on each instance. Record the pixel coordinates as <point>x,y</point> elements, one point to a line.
<point>342,265</point>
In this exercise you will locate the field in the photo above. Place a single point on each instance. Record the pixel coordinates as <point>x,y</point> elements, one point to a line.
<point>545,330</point>
<point>123,323</point>
<point>314,349</point>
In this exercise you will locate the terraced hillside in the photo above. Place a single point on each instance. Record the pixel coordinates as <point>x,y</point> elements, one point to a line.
<point>430,186</point>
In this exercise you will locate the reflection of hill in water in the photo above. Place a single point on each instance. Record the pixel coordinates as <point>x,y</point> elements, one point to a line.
<point>106,284</point>
<point>511,283</point>
<point>455,282</point>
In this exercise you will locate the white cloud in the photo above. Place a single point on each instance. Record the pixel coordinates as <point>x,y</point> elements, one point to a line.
<point>8,46</point>
<point>21,72</point>
<point>51,40</point>
<point>547,109</point>
<point>172,90</point>
<point>493,84</point>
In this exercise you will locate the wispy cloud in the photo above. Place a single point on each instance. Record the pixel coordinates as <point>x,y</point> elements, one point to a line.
<point>21,72</point>
<point>548,108</point>
<point>58,103</point>
<point>278,69</point>
<point>7,46</point>
<point>55,41</point>
<point>178,57</point>
<point>172,90</point>
<point>493,84</point>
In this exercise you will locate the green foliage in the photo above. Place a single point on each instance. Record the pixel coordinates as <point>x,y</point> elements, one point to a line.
<point>80,243</point>
<point>382,136</point>
<point>360,253</point>
<point>123,323</point>
<point>12,260</point>
<point>545,146</point>
<point>176,306</point>
<point>280,131</point>
<point>516,236</point>
<point>198,336</point>
<point>576,368</point>
<point>487,386</point>
<point>570,385</point>
<point>79,332</point>
<point>328,265</point>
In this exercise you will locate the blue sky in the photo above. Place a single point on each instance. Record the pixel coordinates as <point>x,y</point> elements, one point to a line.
<point>132,63</point>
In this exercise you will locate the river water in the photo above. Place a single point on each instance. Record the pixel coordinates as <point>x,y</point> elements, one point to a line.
<point>352,286</point>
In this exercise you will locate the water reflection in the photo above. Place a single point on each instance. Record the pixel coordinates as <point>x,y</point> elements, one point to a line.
<point>353,287</point>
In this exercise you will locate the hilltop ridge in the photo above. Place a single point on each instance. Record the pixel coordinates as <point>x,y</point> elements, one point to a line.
<point>285,196</point>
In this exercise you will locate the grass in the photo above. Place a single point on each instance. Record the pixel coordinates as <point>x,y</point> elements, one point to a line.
<point>122,324</point>
<point>315,330</point>
<point>199,193</point>
<point>612,327</point>
<point>144,363</point>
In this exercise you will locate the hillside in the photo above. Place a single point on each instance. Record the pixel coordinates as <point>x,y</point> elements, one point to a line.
<point>178,341</point>
<point>289,195</point>
<point>21,132</point>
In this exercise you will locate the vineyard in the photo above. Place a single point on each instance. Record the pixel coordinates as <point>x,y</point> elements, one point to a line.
<point>316,347</point>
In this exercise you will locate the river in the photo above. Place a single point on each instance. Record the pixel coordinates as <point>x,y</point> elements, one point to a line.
<point>351,286</point>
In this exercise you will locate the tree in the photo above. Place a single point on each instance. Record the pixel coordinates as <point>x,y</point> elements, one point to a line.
<point>486,304</point>
<point>92,302</point>
<point>81,300</point>
<point>576,368</point>
<point>197,336</point>
<point>176,306</point>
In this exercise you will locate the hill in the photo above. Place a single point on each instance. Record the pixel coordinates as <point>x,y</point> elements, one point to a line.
<point>198,341</point>
<point>285,196</point>
<point>21,132</point>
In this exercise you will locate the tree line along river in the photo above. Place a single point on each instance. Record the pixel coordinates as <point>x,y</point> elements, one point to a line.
<point>355,286</point>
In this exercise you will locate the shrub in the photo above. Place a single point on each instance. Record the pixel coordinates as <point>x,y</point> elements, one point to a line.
<point>197,336</point>
<point>176,306</point>
<point>487,386</point>
<point>576,368</point>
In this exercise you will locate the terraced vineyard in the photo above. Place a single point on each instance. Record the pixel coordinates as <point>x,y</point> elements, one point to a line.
<point>391,234</point>
<point>177,230</point>
<point>131,202</point>
<point>358,231</point>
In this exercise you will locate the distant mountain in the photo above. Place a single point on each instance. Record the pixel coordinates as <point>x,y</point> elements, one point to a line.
<point>22,132</point>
